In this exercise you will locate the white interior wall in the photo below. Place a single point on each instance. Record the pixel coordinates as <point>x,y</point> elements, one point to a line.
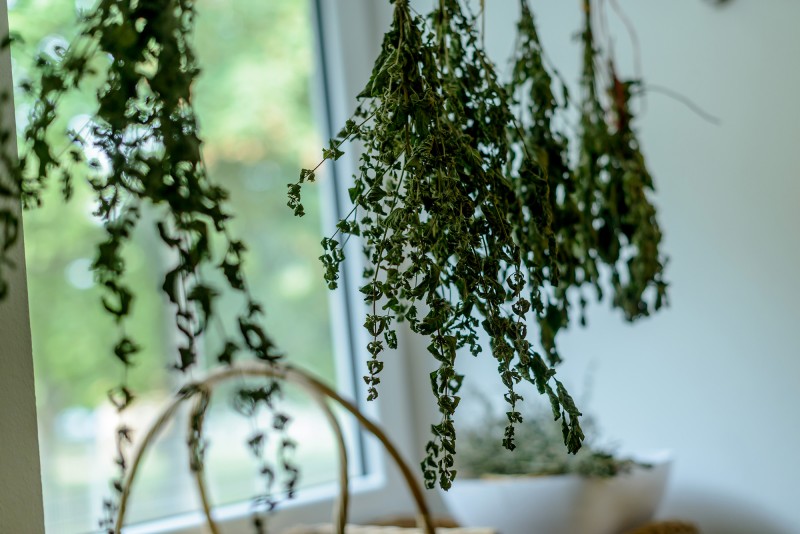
<point>714,377</point>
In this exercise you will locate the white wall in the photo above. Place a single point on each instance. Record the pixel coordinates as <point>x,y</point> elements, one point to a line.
<point>715,377</point>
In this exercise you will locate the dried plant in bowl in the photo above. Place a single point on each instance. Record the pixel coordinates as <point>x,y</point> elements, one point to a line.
<point>541,488</point>
<point>540,450</point>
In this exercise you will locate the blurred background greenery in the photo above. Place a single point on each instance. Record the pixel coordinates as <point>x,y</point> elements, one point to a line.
<point>253,103</point>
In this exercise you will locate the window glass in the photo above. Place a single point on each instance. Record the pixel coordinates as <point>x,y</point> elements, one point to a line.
<point>253,102</point>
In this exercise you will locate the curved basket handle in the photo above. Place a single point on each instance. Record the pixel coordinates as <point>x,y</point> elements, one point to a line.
<point>319,391</point>
<point>196,422</point>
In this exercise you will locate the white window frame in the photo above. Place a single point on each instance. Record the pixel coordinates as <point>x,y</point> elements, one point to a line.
<point>349,35</point>
<point>21,507</point>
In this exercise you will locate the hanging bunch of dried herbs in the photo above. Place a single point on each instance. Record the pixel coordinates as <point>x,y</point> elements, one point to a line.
<point>475,216</point>
<point>619,221</point>
<point>435,210</point>
<point>601,213</point>
<point>146,151</point>
<point>548,190</point>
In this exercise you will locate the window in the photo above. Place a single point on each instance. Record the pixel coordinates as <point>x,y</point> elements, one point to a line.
<point>249,50</point>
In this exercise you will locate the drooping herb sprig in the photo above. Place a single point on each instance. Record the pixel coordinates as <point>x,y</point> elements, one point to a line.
<point>555,249</point>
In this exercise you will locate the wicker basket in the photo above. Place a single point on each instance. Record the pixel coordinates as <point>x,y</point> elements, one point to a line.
<point>200,393</point>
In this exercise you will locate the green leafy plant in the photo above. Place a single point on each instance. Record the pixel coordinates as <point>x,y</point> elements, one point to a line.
<point>539,452</point>
<point>473,216</point>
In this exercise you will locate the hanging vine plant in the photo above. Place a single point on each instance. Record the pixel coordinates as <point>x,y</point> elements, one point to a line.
<point>474,217</point>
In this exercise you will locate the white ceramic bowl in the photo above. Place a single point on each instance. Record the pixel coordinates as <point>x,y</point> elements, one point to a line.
<point>561,504</point>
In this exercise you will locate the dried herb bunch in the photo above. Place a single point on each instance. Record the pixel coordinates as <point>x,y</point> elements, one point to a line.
<point>139,54</point>
<point>474,216</point>
<point>555,245</point>
<point>600,208</point>
<point>619,221</point>
<point>436,211</point>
